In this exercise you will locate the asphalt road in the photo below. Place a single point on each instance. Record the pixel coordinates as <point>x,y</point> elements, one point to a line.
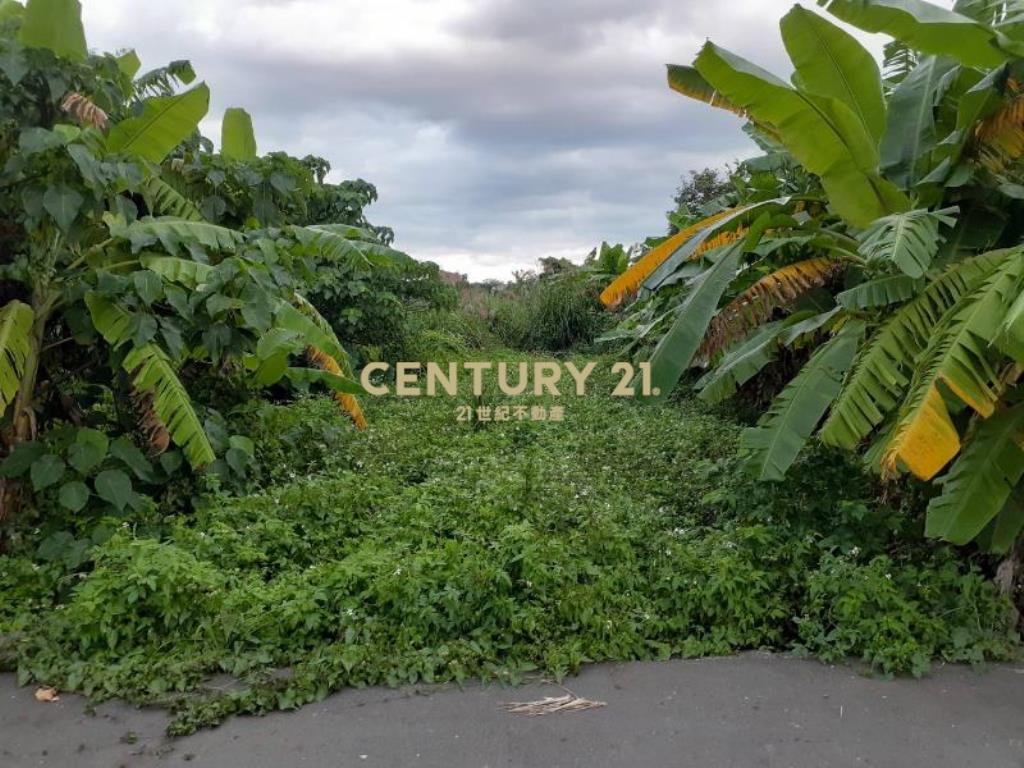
<point>739,712</point>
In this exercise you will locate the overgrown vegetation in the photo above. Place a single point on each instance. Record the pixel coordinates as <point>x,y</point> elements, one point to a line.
<point>876,241</point>
<point>426,549</point>
<point>189,513</point>
<point>152,283</point>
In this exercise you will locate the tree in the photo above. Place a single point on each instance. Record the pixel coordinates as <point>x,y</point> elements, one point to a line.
<point>694,195</point>
<point>134,257</point>
<point>901,271</point>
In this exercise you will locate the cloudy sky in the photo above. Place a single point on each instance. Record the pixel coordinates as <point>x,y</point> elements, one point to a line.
<point>496,131</point>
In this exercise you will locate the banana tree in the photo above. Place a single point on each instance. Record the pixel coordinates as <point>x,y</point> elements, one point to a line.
<point>901,277</point>
<point>104,255</point>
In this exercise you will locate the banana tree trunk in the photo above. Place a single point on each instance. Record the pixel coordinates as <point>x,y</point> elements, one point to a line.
<point>1010,575</point>
<point>23,426</point>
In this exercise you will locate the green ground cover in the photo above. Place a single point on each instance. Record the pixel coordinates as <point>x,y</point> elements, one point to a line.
<point>426,549</point>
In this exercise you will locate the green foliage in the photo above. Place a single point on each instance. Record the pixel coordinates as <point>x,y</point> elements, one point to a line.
<point>682,339</point>
<point>858,607</point>
<point>548,313</point>
<point>910,239</point>
<point>56,25</point>
<point>786,427</point>
<point>910,233</point>
<point>139,263</point>
<point>429,550</point>
<point>238,142</point>
<point>141,592</point>
<point>377,308</point>
<point>164,123</point>
<point>820,131</point>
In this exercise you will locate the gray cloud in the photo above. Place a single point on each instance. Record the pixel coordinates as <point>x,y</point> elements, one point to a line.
<point>497,132</point>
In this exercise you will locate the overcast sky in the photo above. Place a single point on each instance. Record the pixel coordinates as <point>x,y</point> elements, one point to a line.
<point>496,131</point>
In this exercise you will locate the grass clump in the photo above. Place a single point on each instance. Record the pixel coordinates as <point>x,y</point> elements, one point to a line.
<point>426,549</point>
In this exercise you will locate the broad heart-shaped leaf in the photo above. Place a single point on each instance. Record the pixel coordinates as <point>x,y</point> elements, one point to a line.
<point>125,451</point>
<point>165,122</point>
<point>16,319</point>
<point>74,495</point>
<point>237,139</point>
<point>978,485</point>
<point>46,471</point>
<point>927,28</point>
<point>782,432</point>
<point>22,458</point>
<point>959,356</point>
<point>115,487</point>
<point>822,134</point>
<point>63,203</point>
<point>151,371</point>
<point>830,62</point>
<point>910,133</point>
<point>882,373</point>
<point>54,24</point>
<point>88,450</point>
<point>677,347</point>
<point>910,239</point>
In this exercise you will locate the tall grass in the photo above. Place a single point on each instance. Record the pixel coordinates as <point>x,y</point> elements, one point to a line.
<point>554,314</point>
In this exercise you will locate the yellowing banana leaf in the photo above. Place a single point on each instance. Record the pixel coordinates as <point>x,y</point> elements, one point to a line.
<point>960,357</point>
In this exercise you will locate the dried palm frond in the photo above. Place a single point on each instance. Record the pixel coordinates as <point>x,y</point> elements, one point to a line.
<point>552,704</point>
<point>629,281</point>
<point>348,403</point>
<point>689,82</point>
<point>83,110</point>
<point>152,427</point>
<point>757,304</point>
<point>999,138</point>
<point>723,238</point>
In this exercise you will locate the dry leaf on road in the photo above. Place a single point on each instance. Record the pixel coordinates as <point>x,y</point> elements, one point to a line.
<point>551,704</point>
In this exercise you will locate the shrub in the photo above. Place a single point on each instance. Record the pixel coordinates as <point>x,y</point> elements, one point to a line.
<point>143,592</point>
<point>552,314</point>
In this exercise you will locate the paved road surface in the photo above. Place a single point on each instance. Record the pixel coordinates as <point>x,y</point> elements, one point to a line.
<point>740,712</point>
